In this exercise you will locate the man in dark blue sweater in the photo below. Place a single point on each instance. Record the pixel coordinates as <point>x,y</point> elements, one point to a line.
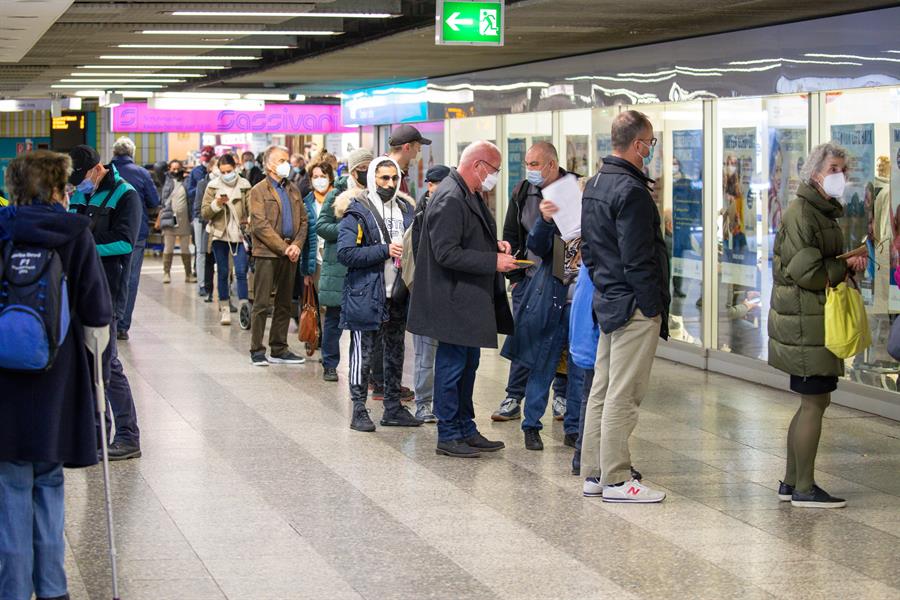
<point>140,180</point>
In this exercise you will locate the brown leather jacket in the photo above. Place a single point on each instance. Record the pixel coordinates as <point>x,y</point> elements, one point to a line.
<point>265,220</point>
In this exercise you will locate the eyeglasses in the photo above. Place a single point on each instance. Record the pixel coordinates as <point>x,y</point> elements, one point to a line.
<point>496,169</point>
<point>650,142</point>
<point>394,178</point>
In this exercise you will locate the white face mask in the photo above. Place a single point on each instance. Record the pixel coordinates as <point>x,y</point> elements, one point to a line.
<point>283,170</point>
<point>320,184</point>
<point>490,181</point>
<point>730,169</point>
<point>834,185</point>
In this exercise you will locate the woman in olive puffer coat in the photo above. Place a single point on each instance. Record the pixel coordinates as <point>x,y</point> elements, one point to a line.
<point>805,263</point>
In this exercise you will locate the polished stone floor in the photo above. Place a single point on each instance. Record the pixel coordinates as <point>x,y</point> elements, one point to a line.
<point>252,486</point>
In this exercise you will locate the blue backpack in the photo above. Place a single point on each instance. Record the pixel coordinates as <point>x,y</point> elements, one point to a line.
<point>34,307</point>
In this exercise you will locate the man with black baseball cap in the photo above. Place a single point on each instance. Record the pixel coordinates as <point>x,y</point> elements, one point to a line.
<point>406,141</point>
<point>116,211</point>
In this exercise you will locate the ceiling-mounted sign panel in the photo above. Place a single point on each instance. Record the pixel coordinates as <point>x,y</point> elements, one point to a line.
<point>469,23</point>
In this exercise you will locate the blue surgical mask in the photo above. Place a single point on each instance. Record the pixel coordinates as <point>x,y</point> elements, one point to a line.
<point>86,187</point>
<point>534,177</point>
<point>649,158</point>
<point>229,177</point>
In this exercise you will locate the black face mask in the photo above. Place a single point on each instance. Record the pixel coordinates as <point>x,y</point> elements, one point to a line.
<point>360,177</point>
<point>386,194</point>
<point>176,174</point>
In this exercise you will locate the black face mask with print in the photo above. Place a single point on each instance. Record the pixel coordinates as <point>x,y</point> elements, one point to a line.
<point>386,194</point>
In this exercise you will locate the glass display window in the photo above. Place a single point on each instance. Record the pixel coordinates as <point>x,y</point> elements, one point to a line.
<point>461,133</point>
<point>521,132</point>
<point>867,124</point>
<point>761,147</point>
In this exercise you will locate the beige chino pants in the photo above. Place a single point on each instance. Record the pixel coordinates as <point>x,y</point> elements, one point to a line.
<point>621,376</point>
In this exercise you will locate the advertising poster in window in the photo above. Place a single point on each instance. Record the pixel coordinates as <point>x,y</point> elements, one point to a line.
<point>687,203</point>
<point>738,213</point>
<point>515,164</point>
<point>893,242</point>
<point>859,195</point>
<point>577,149</point>
<point>604,148</point>
<point>655,172</point>
<point>787,151</point>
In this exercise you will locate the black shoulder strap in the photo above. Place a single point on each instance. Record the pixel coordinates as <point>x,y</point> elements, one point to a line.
<point>380,220</point>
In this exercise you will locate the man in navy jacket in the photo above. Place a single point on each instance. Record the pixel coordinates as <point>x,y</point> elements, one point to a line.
<point>140,180</point>
<point>624,249</point>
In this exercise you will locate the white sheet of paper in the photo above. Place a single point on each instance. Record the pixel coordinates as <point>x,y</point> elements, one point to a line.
<point>565,193</point>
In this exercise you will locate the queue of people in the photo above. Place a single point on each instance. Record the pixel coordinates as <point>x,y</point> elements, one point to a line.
<point>591,305</point>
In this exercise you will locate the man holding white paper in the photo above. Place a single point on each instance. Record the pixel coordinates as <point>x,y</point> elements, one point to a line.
<point>542,169</point>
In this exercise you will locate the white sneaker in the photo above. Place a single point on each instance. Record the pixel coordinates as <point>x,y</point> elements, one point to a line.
<point>592,488</point>
<point>225,318</point>
<point>633,492</point>
<point>559,408</point>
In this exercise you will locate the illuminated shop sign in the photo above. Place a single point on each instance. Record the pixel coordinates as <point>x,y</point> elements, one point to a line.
<point>276,118</point>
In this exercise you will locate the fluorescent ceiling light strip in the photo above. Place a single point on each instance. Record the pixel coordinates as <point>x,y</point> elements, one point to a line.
<point>207,46</point>
<point>120,80</point>
<point>172,57</point>
<point>139,75</point>
<point>116,85</point>
<point>284,97</point>
<point>794,61</point>
<point>234,32</point>
<point>238,14</point>
<point>201,95</point>
<point>158,67</point>
<point>126,93</point>
<point>852,56</point>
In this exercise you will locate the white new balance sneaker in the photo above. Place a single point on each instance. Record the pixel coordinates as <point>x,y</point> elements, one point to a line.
<point>592,488</point>
<point>631,492</point>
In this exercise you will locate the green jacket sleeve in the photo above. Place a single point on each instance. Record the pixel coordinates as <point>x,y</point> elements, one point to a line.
<point>327,225</point>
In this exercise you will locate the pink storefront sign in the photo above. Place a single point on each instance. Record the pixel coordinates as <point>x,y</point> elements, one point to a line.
<point>136,117</point>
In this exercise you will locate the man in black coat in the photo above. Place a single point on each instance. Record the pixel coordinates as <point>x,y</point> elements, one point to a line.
<point>624,249</point>
<point>458,296</point>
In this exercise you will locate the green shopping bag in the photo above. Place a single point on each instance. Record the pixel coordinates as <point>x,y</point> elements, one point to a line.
<point>846,324</point>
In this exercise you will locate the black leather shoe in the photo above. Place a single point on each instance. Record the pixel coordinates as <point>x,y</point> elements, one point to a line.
<point>122,335</point>
<point>576,463</point>
<point>330,374</point>
<point>399,417</point>
<point>480,442</point>
<point>123,451</point>
<point>533,439</point>
<point>571,440</point>
<point>457,449</point>
<point>785,491</point>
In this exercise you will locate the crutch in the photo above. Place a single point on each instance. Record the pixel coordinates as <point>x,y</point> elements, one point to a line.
<point>96,339</point>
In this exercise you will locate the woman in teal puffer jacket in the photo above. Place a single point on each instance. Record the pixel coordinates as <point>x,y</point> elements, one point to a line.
<point>331,280</point>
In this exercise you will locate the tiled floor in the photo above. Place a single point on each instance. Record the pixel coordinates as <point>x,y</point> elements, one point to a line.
<point>252,486</point>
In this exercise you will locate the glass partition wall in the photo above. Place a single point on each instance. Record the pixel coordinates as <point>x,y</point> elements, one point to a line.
<point>754,149</point>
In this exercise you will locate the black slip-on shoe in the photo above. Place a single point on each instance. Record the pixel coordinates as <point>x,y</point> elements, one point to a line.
<point>816,498</point>
<point>785,491</point>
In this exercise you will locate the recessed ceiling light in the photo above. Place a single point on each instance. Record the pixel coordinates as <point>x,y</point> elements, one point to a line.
<point>173,57</point>
<point>206,46</point>
<point>239,14</point>
<point>157,67</point>
<point>116,85</point>
<point>139,75</point>
<point>120,80</point>
<point>234,32</point>
<point>126,93</point>
<point>201,95</point>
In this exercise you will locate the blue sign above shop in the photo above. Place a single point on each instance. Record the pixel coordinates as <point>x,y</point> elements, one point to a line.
<point>396,103</point>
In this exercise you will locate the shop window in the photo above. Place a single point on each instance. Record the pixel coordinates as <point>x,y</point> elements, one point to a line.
<point>461,133</point>
<point>762,144</point>
<point>867,124</point>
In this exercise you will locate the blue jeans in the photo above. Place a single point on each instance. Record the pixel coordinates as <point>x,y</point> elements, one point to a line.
<point>32,517</point>
<point>575,397</point>
<point>132,278</point>
<point>222,250</point>
<point>518,373</point>
<point>331,337</point>
<point>454,381</point>
<point>119,398</point>
<point>542,375</point>
<point>423,378</point>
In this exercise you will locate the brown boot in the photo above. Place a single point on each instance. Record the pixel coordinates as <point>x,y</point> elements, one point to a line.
<point>189,276</point>
<point>167,268</point>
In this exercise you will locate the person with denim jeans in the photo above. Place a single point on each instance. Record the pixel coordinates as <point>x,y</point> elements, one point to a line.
<point>47,418</point>
<point>142,182</point>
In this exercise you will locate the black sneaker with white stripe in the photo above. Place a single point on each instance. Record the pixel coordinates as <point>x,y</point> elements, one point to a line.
<point>816,498</point>
<point>287,358</point>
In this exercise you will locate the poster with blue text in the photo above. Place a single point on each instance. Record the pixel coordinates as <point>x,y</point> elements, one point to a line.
<point>859,196</point>
<point>739,207</point>
<point>687,203</point>
<point>515,164</point>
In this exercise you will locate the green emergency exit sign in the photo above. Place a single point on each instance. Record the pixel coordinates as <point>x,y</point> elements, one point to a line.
<point>469,23</point>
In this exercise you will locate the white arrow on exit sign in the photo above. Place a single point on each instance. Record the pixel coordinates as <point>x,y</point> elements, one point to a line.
<point>454,21</point>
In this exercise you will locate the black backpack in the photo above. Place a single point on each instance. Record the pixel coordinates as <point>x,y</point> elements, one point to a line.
<point>34,307</point>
